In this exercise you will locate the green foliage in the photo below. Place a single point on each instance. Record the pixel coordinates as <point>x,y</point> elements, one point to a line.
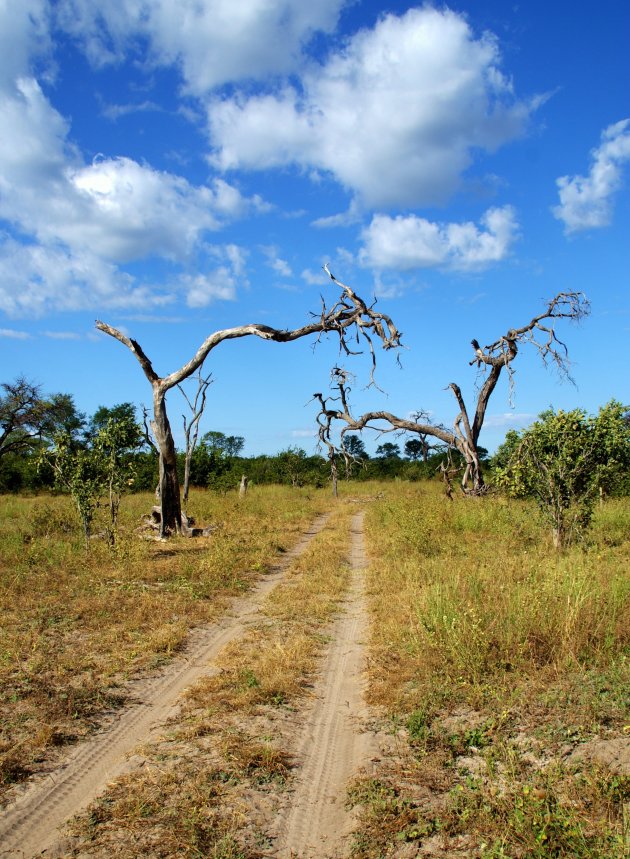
<point>79,472</point>
<point>355,446</point>
<point>225,445</point>
<point>415,449</point>
<point>129,434</point>
<point>88,473</point>
<point>388,450</point>
<point>564,461</point>
<point>112,449</point>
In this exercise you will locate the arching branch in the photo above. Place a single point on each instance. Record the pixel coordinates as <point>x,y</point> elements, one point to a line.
<point>539,332</point>
<point>349,316</point>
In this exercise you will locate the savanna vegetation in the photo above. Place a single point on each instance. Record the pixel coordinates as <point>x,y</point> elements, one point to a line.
<point>498,668</point>
<point>503,668</point>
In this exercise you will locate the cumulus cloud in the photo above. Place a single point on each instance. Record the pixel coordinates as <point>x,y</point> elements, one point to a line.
<point>120,209</point>
<point>81,222</point>
<point>404,243</point>
<point>36,279</point>
<point>586,201</point>
<point>213,41</point>
<point>394,117</point>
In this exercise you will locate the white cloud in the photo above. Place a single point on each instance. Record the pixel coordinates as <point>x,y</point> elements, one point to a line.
<point>23,35</point>
<point>394,117</point>
<point>36,279</point>
<point>586,201</point>
<point>115,111</point>
<point>313,278</point>
<point>213,41</point>
<point>352,215</point>
<point>62,335</point>
<point>275,262</point>
<point>118,208</point>
<point>508,419</point>
<point>12,334</point>
<point>83,221</point>
<point>409,242</point>
<point>220,283</point>
<point>202,289</point>
<point>303,433</point>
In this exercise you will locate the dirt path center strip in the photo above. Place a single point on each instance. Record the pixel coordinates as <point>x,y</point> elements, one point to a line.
<point>334,746</point>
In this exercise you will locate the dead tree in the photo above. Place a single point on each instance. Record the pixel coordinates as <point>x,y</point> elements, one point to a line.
<point>349,317</point>
<point>498,356</point>
<point>191,428</point>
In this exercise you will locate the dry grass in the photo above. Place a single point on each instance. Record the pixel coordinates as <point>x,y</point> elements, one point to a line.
<point>75,625</point>
<point>229,735</point>
<point>495,660</point>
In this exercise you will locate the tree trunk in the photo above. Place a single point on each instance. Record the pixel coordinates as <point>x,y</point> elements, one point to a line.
<point>187,463</point>
<point>472,481</point>
<point>170,503</point>
<point>242,490</point>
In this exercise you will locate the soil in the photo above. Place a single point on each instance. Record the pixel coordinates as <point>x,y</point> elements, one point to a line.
<point>29,824</point>
<point>334,743</point>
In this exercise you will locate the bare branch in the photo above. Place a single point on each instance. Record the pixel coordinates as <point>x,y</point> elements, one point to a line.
<point>539,332</point>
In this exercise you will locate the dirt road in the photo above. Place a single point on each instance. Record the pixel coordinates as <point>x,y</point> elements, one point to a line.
<point>30,824</point>
<point>334,746</point>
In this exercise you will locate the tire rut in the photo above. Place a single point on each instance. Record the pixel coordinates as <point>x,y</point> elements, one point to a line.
<point>334,746</point>
<point>29,825</point>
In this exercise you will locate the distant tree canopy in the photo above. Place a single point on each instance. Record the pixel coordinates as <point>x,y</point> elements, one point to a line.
<point>225,445</point>
<point>355,446</point>
<point>415,449</point>
<point>388,450</point>
<point>28,418</point>
<point>124,416</point>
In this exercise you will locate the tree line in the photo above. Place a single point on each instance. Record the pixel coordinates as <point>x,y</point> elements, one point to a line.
<point>33,424</point>
<point>565,461</point>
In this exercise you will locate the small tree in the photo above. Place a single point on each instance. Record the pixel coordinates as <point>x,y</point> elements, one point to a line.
<point>113,446</point>
<point>87,474</point>
<point>197,406</point>
<point>563,461</point>
<point>79,472</point>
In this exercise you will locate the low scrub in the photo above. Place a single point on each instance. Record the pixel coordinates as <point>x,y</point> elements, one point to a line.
<point>504,668</point>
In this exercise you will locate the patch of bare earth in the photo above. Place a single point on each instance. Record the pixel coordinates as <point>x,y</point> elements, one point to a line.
<point>333,744</point>
<point>29,824</point>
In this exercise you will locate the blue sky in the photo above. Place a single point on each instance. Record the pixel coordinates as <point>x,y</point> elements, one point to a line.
<point>174,167</point>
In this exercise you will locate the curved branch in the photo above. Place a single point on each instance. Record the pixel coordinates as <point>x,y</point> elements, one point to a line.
<point>135,347</point>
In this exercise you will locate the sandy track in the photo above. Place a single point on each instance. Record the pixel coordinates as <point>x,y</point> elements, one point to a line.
<point>334,746</point>
<point>30,825</point>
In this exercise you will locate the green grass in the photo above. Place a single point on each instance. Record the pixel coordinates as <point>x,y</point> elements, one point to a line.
<point>498,657</point>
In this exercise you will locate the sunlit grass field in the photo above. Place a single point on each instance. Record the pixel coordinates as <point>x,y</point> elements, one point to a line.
<point>76,624</point>
<point>501,661</point>
<point>498,667</point>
